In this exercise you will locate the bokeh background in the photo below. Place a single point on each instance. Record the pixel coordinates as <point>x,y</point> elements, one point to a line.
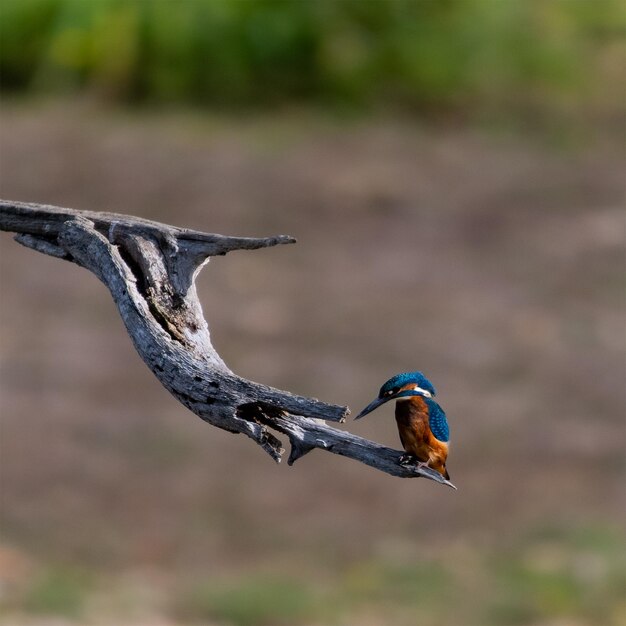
<point>454,173</point>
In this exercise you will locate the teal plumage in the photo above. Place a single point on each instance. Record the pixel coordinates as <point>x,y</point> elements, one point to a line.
<point>437,421</point>
<point>400,380</point>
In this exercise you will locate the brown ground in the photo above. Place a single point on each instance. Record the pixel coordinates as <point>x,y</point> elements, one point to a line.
<point>494,265</point>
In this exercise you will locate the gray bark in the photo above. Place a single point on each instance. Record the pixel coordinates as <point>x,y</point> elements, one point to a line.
<point>150,270</point>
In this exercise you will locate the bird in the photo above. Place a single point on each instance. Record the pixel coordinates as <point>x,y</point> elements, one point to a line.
<point>422,423</point>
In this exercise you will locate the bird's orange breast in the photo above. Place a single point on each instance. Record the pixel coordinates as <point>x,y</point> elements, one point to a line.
<point>416,436</point>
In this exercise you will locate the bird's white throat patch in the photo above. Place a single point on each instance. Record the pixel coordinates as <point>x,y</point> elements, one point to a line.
<point>419,390</point>
<point>423,391</point>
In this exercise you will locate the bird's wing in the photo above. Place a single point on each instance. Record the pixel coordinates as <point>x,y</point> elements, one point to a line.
<point>437,421</point>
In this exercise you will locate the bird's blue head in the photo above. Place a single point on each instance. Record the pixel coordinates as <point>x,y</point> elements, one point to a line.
<point>399,386</point>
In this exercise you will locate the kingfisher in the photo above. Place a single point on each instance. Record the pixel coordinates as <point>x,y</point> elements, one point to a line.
<point>422,424</point>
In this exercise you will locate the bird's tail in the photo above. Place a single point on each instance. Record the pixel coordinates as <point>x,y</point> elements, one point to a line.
<point>440,467</point>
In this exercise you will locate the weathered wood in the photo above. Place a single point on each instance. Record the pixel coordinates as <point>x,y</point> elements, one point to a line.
<point>150,270</point>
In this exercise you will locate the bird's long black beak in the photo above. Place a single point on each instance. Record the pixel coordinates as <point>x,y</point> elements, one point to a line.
<point>371,406</point>
<point>376,403</point>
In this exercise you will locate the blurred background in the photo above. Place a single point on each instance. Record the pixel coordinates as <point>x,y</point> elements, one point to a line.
<point>454,174</point>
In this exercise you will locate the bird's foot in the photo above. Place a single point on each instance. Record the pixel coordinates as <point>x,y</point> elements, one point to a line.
<point>411,460</point>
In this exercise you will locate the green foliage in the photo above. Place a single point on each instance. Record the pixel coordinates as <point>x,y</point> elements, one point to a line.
<point>57,591</point>
<point>421,585</point>
<point>420,54</point>
<point>254,601</point>
<point>555,576</point>
<point>551,574</point>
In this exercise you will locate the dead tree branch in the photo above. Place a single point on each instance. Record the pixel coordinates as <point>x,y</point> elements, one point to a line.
<point>150,270</point>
